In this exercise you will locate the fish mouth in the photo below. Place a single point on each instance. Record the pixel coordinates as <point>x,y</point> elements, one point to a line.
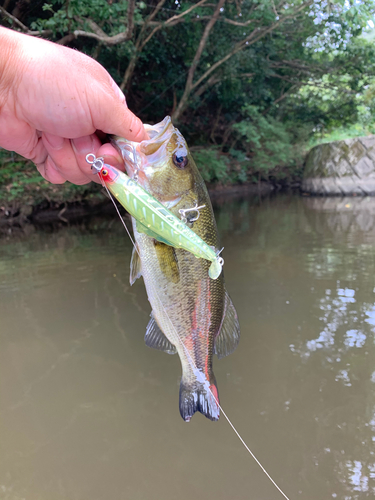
<point>156,132</point>
<point>147,155</point>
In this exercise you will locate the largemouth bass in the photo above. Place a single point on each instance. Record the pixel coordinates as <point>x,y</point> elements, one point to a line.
<point>192,314</point>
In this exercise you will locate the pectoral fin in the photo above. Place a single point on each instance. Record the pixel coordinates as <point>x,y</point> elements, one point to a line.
<point>156,339</point>
<point>135,266</point>
<point>167,261</point>
<point>229,334</point>
<point>165,253</point>
<point>141,228</point>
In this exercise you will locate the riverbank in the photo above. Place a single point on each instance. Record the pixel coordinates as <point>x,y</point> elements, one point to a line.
<point>19,212</point>
<point>25,197</point>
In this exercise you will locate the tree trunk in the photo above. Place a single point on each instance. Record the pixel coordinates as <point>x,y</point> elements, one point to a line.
<point>189,82</point>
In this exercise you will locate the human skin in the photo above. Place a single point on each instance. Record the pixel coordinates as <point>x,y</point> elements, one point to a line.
<point>53,100</point>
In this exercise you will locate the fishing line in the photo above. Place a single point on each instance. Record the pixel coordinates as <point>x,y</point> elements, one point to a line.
<point>118,213</point>
<point>223,412</point>
<point>196,368</point>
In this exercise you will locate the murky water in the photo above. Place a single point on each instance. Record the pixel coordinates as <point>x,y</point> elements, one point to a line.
<point>87,412</point>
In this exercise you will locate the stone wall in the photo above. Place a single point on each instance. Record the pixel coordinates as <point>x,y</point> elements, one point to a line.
<point>341,168</point>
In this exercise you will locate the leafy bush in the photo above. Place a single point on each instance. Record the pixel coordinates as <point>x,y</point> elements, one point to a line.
<point>267,142</point>
<point>212,165</point>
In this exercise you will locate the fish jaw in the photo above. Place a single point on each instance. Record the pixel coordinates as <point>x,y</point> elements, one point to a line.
<point>147,155</point>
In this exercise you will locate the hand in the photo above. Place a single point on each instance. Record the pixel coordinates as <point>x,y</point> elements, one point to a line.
<point>52,101</point>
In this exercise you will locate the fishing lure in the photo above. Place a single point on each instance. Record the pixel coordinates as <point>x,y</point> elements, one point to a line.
<point>152,217</point>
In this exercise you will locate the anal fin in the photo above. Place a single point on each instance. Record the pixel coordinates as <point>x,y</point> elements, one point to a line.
<point>156,339</point>
<point>229,334</point>
<point>135,266</point>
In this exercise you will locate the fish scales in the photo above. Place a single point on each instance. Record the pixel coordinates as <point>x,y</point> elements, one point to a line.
<point>189,309</point>
<point>188,312</point>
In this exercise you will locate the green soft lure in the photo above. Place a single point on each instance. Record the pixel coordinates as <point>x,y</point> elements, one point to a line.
<point>152,217</point>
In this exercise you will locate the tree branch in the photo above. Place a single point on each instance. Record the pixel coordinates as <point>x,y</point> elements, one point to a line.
<point>193,67</point>
<point>14,19</point>
<point>250,40</point>
<point>99,35</point>
<point>174,18</point>
<point>228,21</point>
<point>141,41</point>
<point>282,96</point>
<point>172,21</point>
<point>213,80</point>
<point>23,26</point>
<point>131,66</point>
<point>108,40</point>
<point>130,26</point>
<point>66,39</point>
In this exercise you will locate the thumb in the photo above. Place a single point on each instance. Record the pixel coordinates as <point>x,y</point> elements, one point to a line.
<point>111,114</point>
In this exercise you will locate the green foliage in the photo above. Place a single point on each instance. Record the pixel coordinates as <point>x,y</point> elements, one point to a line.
<point>212,165</point>
<point>61,16</point>
<point>342,133</point>
<point>21,183</point>
<point>267,142</point>
<point>295,82</point>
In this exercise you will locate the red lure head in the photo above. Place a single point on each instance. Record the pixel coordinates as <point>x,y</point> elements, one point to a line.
<point>108,174</point>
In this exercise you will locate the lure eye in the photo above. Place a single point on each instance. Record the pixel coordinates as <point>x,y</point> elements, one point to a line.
<point>109,174</point>
<point>180,161</point>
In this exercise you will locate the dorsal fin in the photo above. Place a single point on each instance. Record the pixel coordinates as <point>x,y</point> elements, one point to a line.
<point>156,339</point>
<point>229,334</point>
<point>135,266</point>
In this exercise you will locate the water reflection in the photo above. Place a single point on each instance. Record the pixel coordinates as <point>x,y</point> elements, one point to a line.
<point>346,218</point>
<point>87,411</point>
<point>345,342</point>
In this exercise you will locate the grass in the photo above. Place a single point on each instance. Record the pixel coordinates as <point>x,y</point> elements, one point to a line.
<point>21,184</point>
<point>342,133</point>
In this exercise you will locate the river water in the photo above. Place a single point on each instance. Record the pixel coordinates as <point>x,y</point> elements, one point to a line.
<point>88,412</point>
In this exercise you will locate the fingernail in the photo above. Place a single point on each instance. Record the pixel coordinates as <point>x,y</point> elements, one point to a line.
<point>55,141</point>
<point>83,145</point>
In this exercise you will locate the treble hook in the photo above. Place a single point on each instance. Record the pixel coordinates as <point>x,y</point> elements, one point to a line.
<point>130,152</point>
<point>184,211</point>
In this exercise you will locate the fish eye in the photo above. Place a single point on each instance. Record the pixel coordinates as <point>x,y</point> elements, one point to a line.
<point>104,173</point>
<point>180,161</point>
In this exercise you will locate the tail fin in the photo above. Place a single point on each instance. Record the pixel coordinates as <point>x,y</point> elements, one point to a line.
<point>199,396</point>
